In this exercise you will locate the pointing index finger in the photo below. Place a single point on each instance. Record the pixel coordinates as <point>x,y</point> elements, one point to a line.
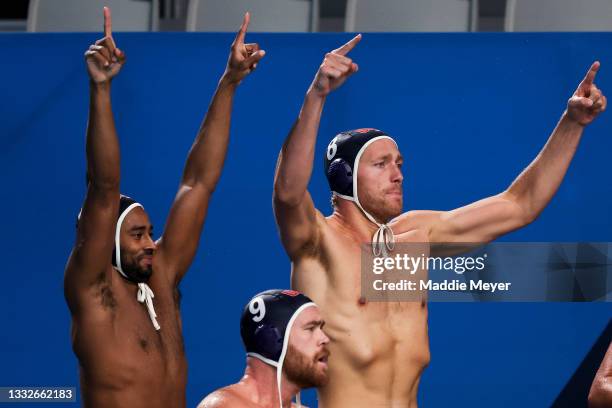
<point>590,76</point>
<point>108,26</point>
<point>243,29</point>
<point>348,46</point>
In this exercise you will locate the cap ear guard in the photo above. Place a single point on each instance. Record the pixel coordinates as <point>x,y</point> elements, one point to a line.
<point>268,338</point>
<point>340,176</point>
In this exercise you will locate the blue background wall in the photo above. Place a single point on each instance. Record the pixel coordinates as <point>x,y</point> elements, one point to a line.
<point>469,112</point>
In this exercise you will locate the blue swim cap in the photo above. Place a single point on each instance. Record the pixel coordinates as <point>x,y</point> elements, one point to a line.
<point>266,319</point>
<point>342,159</point>
<point>341,164</point>
<point>266,323</point>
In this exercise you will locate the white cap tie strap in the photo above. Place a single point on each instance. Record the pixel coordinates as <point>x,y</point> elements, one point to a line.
<point>145,295</point>
<point>383,241</point>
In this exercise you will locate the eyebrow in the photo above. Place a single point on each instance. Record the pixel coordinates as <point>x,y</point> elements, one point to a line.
<point>139,228</point>
<point>389,156</point>
<point>315,323</point>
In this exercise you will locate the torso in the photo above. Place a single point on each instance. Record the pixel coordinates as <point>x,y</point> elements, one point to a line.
<point>378,349</point>
<point>124,361</point>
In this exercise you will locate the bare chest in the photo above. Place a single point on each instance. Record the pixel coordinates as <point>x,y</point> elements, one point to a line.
<point>124,347</point>
<point>362,329</point>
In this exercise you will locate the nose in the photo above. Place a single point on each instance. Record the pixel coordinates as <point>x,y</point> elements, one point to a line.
<point>396,175</point>
<point>324,339</point>
<point>150,244</point>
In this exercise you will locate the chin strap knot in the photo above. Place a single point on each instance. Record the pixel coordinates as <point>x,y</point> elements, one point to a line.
<point>145,295</point>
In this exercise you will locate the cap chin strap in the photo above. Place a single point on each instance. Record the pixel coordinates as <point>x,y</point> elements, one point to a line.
<point>145,293</point>
<point>383,240</point>
<point>281,360</point>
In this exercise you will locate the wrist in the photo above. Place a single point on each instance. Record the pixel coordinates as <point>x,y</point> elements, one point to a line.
<point>569,120</point>
<point>227,82</point>
<point>99,86</point>
<point>314,95</point>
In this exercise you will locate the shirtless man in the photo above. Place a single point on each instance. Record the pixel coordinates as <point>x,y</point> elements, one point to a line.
<point>380,349</point>
<point>282,332</point>
<point>126,324</point>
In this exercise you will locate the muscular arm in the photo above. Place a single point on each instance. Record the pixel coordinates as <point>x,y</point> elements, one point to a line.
<point>293,207</point>
<point>531,191</point>
<point>91,254</point>
<point>179,243</point>
<point>600,395</point>
<point>181,236</point>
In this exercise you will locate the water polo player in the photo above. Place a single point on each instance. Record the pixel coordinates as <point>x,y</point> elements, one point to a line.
<point>282,332</point>
<point>120,285</point>
<point>380,349</point>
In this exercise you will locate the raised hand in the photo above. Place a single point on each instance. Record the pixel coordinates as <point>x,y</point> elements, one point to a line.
<point>335,69</point>
<point>588,101</point>
<point>104,60</point>
<point>243,57</point>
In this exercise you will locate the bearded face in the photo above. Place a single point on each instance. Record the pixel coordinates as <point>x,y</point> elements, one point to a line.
<point>306,371</point>
<point>307,354</point>
<point>137,245</point>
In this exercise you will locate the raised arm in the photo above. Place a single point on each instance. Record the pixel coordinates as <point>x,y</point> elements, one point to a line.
<point>293,207</point>
<point>180,239</point>
<point>531,191</point>
<point>91,254</point>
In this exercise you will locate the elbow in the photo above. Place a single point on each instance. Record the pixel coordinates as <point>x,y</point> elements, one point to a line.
<point>523,211</point>
<point>286,196</point>
<point>102,182</point>
<point>528,216</point>
<point>285,191</point>
<point>206,184</point>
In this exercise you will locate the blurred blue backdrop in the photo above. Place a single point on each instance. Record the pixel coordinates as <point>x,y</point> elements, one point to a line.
<point>469,111</point>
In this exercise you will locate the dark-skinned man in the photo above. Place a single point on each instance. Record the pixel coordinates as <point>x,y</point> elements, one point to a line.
<point>121,286</point>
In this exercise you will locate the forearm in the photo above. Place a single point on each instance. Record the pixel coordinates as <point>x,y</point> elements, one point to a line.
<point>208,152</point>
<point>295,160</point>
<point>103,162</point>
<point>538,183</point>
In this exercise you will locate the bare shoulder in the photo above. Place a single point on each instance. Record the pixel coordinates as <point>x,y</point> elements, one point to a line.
<point>224,398</point>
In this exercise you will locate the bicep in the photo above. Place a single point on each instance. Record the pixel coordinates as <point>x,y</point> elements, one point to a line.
<point>481,221</point>
<point>297,225</point>
<point>181,235</point>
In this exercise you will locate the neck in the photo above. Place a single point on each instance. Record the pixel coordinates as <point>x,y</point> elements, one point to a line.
<point>349,216</point>
<point>261,377</point>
